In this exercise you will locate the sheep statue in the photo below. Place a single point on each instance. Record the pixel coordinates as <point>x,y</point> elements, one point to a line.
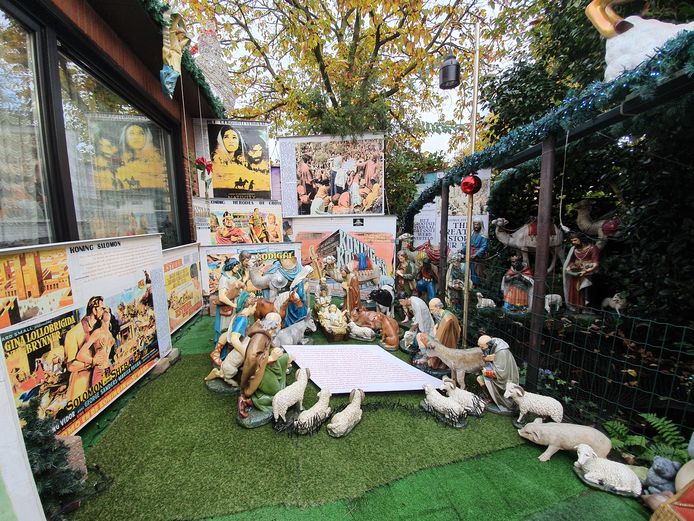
<point>290,395</point>
<point>357,332</point>
<point>534,403</point>
<point>310,420</point>
<point>472,403</point>
<point>553,302</point>
<point>445,409</point>
<point>344,421</point>
<point>484,302</point>
<point>605,474</point>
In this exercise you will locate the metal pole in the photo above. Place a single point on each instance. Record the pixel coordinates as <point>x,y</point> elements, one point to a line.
<point>470,197</point>
<point>544,223</point>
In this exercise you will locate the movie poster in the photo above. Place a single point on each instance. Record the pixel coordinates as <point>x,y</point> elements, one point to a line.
<point>121,180</point>
<point>183,284</point>
<point>271,257</point>
<point>77,355</point>
<point>366,245</point>
<point>241,222</point>
<point>240,158</point>
<point>332,176</point>
<point>33,283</point>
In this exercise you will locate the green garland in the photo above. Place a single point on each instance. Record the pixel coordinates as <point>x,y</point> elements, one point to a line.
<point>156,10</point>
<point>676,55</point>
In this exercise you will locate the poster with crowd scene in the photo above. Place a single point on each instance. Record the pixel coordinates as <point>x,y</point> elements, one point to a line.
<point>332,176</point>
<point>85,322</point>
<point>238,151</point>
<point>238,222</point>
<point>366,245</point>
<point>183,284</point>
<point>266,261</point>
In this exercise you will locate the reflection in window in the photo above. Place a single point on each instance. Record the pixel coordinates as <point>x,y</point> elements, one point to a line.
<point>120,162</point>
<point>23,195</point>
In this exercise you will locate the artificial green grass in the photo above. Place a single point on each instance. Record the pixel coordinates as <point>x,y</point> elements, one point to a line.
<point>510,484</point>
<point>177,436</point>
<point>175,452</point>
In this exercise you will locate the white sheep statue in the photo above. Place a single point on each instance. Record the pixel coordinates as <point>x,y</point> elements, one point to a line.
<point>484,302</point>
<point>447,409</point>
<point>290,395</point>
<point>606,474</point>
<point>472,403</point>
<point>344,421</point>
<point>534,403</point>
<point>310,420</point>
<point>358,332</point>
<point>553,301</point>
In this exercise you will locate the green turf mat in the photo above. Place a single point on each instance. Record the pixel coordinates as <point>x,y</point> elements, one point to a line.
<point>505,485</point>
<point>175,452</point>
<point>592,505</point>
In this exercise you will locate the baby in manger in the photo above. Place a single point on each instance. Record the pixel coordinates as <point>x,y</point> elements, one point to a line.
<point>333,320</point>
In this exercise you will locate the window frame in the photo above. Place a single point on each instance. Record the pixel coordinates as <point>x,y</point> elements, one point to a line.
<point>55,33</point>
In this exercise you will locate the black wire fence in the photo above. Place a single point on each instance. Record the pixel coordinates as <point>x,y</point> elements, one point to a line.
<point>600,364</point>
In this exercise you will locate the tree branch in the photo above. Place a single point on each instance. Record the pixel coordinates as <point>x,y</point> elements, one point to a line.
<point>318,54</point>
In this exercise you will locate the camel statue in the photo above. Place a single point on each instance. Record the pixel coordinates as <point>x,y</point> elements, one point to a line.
<point>418,254</point>
<point>328,267</point>
<point>603,228</point>
<point>522,240</point>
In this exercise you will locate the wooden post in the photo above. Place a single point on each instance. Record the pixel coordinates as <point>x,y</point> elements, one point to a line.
<point>544,224</point>
<point>443,241</point>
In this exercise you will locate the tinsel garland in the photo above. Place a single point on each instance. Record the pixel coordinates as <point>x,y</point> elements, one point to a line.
<point>156,9</point>
<point>676,55</point>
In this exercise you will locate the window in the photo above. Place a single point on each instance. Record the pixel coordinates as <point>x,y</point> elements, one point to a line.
<point>24,198</point>
<point>120,161</point>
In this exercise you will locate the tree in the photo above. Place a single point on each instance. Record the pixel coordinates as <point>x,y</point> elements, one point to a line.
<point>57,484</point>
<point>638,169</point>
<point>341,66</point>
<point>404,165</point>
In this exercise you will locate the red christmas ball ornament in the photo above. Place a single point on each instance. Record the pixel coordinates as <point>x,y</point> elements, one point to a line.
<point>471,184</point>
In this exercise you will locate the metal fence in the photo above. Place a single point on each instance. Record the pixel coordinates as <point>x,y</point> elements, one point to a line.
<point>601,365</point>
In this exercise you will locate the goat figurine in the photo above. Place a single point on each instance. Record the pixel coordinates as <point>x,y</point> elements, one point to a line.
<point>344,421</point>
<point>459,361</point>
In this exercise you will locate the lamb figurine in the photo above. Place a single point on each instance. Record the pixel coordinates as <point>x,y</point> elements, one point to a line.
<point>290,395</point>
<point>310,420</point>
<point>611,475</point>
<point>553,301</point>
<point>618,302</point>
<point>344,421</point>
<point>447,409</point>
<point>534,403</point>
<point>472,403</point>
<point>358,332</point>
<point>484,302</point>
